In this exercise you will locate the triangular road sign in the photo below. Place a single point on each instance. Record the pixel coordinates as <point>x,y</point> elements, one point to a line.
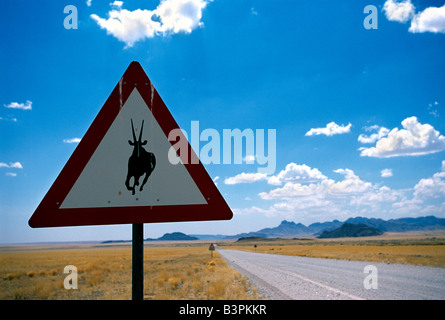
<point>121,173</point>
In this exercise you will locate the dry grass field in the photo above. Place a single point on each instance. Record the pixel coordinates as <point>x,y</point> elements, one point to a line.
<point>173,271</point>
<point>185,270</point>
<point>427,248</point>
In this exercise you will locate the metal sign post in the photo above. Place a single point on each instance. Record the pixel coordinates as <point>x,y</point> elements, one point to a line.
<point>138,262</point>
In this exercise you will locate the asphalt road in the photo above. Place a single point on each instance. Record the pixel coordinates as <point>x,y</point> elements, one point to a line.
<point>281,277</point>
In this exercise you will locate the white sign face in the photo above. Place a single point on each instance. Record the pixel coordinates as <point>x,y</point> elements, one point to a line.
<point>103,181</point>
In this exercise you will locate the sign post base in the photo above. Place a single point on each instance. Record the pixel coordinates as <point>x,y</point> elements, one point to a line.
<point>138,262</point>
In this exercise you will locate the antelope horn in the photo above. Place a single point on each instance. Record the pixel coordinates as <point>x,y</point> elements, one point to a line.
<point>140,134</point>
<point>132,129</point>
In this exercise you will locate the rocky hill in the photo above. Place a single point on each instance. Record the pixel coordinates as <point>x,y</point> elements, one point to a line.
<point>351,230</point>
<point>175,236</point>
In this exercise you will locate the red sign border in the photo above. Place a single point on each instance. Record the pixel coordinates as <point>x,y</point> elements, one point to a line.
<point>49,213</point>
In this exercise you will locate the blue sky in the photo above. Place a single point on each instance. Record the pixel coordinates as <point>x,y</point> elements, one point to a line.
<point>358,113</point>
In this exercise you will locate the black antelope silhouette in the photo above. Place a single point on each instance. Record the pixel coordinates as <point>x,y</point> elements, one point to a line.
<point>140,161</point>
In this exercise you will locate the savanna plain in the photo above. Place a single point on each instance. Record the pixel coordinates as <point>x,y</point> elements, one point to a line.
<point>186,270</point>
<point>171,271</point>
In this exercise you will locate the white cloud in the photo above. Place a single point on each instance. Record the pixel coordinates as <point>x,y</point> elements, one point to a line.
<point>128,26</point>
<point>22,106</point>
<point>414,139</point>
<point>386,173</point>
<point>9,119</point>
<point>117,4</point>
<point>11,174</point>
<point>72,140</point>
<point>433,187</point>
<point>246,178</point>
<point>16,165</point>
<point>381,132</point>
<point>431,19</point>
<point>296,173</point>
<point>443,165</point>
<point>88,3</point>
<point>170,17</point>
<point>180,15</point>
<point>400,11</point>
<point>330,129</point>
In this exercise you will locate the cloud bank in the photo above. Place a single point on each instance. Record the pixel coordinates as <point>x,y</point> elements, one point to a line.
<point>346,195</point>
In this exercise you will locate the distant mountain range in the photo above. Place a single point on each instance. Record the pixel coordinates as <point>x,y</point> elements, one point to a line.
<point>288,229</point>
